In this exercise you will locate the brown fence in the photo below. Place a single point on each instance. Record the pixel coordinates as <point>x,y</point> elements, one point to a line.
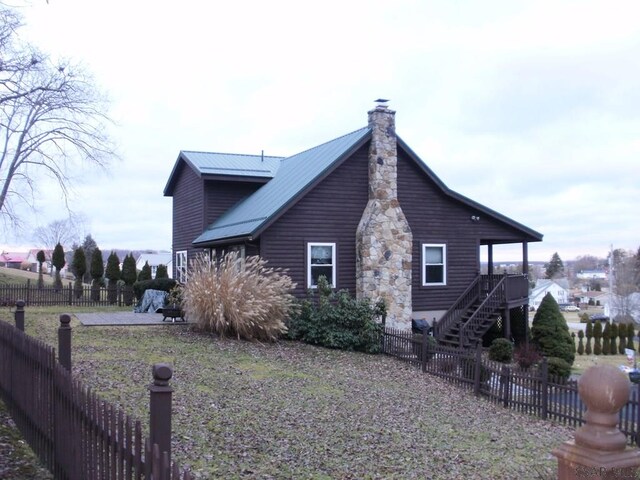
<point>67,295</point>
<point>532,391</point>
<point>76,435</point>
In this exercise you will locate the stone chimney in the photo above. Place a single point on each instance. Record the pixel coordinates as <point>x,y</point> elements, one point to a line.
<point>383,239</point>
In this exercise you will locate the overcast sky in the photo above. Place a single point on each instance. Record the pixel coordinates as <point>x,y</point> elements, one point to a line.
<point>531,108</point>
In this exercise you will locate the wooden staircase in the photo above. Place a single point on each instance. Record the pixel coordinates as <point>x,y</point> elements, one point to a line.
<point>475,311</point>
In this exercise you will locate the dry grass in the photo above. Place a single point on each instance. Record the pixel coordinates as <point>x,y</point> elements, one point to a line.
<point>240,298</point>
<point>287,410</point>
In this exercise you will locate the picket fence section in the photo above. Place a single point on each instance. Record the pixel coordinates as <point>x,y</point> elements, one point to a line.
<point>533,391</point>
<point>48,295</point>
<point>75,434</point>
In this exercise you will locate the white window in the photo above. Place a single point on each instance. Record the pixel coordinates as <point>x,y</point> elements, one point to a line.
<point>181,266</point>
<point>321,260</point>
<point>434,264</point>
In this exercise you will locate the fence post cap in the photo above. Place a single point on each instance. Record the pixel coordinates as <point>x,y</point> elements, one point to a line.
<point>20,303</point>
<point>605,390</point>
<point>162,373</point>
<point>65,320</point>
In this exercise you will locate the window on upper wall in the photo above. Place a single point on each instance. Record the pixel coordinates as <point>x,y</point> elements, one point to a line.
<point>434,264</point>
<point>181,266</point>
<point>321,260</point>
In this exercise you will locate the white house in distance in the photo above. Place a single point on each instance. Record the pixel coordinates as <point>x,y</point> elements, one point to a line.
<point>591,275</point>
<point>155,259</point>
<point>556,288</point>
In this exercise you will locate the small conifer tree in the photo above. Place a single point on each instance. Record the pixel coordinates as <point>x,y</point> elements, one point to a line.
<point>161,271</point>
<point>613,337</point>
<point>129,277</point>
<point>580,344</point>
<point>606,336</point>
<point>550,333</point>
<point>622,335</point>
<point>597,338</point>
<point>589,335</point>
<point>97,270</point>
<point>41,259</point>
<point>113,275</point>
<point>58,261</point>
<point>79,266</point>
<point>630,334</point>
<point>145,273</point>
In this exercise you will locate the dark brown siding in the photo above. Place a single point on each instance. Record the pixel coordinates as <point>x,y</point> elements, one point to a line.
<point>437,218</point>
<point>198,203</point>
<point>221,196</point>
<point>188,204</point>
<point>329,213</point>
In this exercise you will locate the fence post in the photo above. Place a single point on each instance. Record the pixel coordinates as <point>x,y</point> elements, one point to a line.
<point>19,315</point>
<point>64,341</point>
<point>160,408</point>
<point>599,448</point>
<point>28,290</point>
<point>425,346</point>
<point>70,293</point>
<point>505,376</point>
<point>477,365</point>
<point>544,388</point>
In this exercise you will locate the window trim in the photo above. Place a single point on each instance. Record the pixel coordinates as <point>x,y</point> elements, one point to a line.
<point>424,264</point>
<point>333,262</point>
<point>180,274</point>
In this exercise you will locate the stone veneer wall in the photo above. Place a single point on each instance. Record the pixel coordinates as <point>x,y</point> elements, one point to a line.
<point>383,239</point>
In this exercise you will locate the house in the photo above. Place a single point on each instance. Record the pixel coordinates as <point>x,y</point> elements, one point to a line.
<point>32,260</point>
<point>558,288</point>
<point>13,259</point>
<point>591,275</point>
<point>155,259</point>
<point>365,211</point>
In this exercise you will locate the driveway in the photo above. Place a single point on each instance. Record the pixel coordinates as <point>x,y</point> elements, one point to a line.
<point>123,318</point>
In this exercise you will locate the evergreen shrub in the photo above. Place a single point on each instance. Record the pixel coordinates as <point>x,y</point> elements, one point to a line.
<point>501,350</point>
<point>558,367</point>
<point>337,320</point>
<point>550,333</point>
<point>580,344</point>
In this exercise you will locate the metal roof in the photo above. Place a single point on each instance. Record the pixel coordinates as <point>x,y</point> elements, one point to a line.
<point>232,164</point>
<point>294,177</point>
<point>210,164</point>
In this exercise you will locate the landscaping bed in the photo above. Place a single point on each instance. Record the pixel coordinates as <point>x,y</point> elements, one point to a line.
<point>289,410</point>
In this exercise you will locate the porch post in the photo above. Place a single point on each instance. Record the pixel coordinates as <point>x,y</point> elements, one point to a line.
<point>525,258</point>
<point>490,258</point>
<point>507,325</point>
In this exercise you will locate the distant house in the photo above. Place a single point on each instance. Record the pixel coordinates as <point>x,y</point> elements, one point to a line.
<point>591,275</point>
<point>154,260</point>
<point>32,260</point>
<point>363,210</point>
<point>13,259</point>
<point>557,288</point>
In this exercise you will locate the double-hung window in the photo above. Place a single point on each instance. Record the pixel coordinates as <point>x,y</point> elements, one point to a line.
<point>181,266</point>
<point>434,264</point>
<point>321,260</point>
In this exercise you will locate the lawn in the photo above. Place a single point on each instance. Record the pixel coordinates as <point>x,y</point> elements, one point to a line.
<point>289,410</point>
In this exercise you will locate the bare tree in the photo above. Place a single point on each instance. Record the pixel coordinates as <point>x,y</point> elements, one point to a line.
<point>66,232</point>
<point>51,118</point>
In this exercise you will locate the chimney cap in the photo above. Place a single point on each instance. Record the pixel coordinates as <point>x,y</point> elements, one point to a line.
<point>381,100</point>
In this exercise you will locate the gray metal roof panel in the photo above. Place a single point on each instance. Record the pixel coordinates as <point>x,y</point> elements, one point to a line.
<point>232,164</point>
<point>294,176</point>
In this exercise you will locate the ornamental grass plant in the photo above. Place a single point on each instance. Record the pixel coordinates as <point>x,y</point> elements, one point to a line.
<point>236,297</point>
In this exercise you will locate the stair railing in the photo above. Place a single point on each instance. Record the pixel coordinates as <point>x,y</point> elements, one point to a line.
<point>487,308</point>
<point>461,306</point>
